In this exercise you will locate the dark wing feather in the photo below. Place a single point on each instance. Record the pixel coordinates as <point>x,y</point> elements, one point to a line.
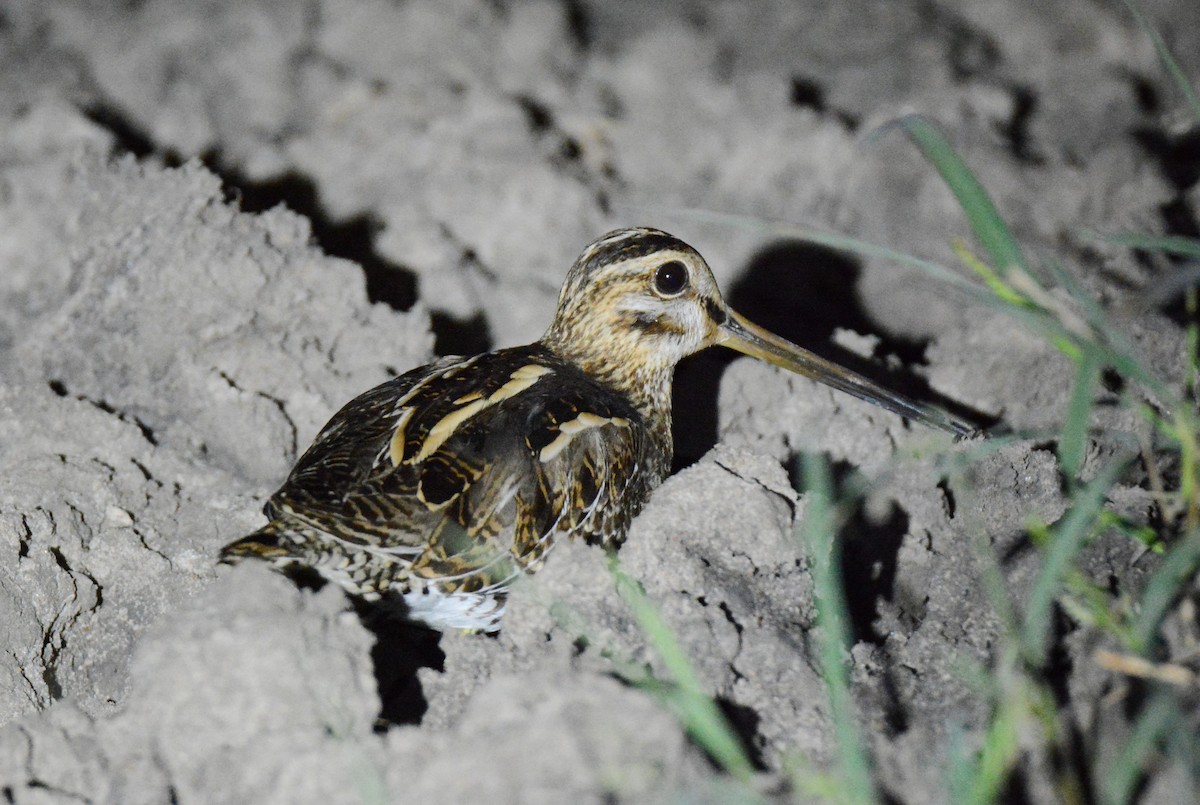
<point>344,451</point>
<point>468,472</point>
<point>343,456</point>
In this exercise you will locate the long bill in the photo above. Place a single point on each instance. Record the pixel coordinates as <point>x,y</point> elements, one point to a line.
<point>746,337</point>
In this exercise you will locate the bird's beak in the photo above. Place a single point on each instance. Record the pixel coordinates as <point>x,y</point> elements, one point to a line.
<point>746,337</point>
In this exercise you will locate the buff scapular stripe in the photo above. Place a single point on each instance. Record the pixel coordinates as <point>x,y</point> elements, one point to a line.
<point>518,381</point>
<point>396,448</point>
<point>568,430</point>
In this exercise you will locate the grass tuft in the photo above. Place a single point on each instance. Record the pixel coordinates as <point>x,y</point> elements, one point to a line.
<point>1025,727</point>
<point>856,785</point>
<point>985,220</point>
<point>1174,71</point>
<point>685,697</point>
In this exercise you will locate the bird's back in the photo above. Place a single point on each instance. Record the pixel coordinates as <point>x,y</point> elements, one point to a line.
<point>445,483</point>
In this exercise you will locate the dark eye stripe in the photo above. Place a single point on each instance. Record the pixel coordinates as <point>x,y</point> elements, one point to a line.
<point>715,311</point>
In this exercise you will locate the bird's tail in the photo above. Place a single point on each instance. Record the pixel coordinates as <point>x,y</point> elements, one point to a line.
<point>264,543</point>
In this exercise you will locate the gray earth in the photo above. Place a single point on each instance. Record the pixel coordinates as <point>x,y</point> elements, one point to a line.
<point>220,221</point>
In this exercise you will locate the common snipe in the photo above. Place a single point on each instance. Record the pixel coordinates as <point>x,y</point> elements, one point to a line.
<point>441,486</point>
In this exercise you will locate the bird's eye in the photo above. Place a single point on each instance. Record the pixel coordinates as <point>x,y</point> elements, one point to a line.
<point>670,278</point>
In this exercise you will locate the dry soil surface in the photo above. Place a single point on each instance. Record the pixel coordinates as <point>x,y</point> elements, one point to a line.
<point>219,221</point>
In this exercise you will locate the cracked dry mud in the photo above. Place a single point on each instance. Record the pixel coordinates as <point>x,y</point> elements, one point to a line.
<point>170,338</point>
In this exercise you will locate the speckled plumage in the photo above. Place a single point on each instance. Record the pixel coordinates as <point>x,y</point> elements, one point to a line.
<point>441,486</point>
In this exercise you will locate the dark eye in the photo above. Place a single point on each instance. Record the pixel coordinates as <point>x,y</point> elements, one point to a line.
<point>670,278</point>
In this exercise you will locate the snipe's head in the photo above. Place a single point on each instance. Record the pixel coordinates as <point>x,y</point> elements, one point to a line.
<point>637,301</point>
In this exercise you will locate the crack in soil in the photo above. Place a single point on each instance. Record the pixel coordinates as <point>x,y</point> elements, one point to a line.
<point>757,482</point>
<point>54,640</point>
<point>278,403</point>
<point>142,539</point>
<point>24,539</point>
<point>60,389</point>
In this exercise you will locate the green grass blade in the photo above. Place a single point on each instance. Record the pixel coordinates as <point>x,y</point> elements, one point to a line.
<point>1079,414</point>
<point>821,237</point>
<point>1120,778</point>
<point>1167,244</point>
<point>1164,55</point>
<point>1178,566</point>
<point>993,279</point>
<point>961,770</point>
<point>1184,429</point>
<point>1087,304</point>
<point>690,703</point>
<point>1001,746</point>
<point>1091,605</point>
<point>1068,538</point>
<point>810,784</point>
<point>1184,746</point>
<point>1115,347</point>
<point>1037,321</point>
<point>985,220</point>
<point>1191,305</point>
<point>834,635</point>
<point>1184,279</point>
<point>1144,534</point>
